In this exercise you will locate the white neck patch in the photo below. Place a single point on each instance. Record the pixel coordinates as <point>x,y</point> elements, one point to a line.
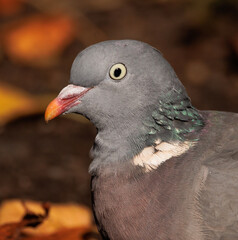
<point>152,157</point>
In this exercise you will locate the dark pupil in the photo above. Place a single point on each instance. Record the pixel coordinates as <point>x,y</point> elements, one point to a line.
<point>117,72</point>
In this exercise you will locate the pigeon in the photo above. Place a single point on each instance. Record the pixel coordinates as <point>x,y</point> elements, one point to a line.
<point>161,169</point>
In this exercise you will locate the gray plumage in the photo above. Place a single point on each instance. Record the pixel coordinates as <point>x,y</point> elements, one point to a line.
<point>190,196</point>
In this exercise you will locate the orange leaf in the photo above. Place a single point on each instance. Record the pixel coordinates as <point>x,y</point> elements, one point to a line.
<point>61,216</point>
<point>38,39</point>
<point>12,231</point>
<point>15,103</point>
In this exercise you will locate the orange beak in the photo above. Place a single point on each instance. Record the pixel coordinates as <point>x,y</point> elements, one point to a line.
<point>69,97</point>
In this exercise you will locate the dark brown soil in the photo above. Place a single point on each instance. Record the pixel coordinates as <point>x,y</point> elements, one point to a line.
<point>45,162</point>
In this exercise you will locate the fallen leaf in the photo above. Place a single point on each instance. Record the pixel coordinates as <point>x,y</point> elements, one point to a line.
<point>37,40</point>
<point>12,231</point>
<point>61,216</point>
<point>24,220</point>
<point>15,103</point>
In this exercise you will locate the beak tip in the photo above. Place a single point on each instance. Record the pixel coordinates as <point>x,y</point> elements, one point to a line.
<point>52,110</point>
<point>47,119</point>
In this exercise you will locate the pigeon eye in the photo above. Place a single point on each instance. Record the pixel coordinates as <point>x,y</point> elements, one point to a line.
<point>118,71</point>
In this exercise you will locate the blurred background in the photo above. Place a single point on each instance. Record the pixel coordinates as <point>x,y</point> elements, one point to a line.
<point>39,39</point>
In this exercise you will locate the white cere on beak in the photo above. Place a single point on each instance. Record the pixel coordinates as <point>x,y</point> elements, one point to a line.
<point>71,91</point>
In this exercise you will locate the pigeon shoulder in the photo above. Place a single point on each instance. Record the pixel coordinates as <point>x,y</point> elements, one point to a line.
<point>220,137</point>
<point>219,198</point>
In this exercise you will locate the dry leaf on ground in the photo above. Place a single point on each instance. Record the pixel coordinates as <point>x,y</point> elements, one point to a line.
<point>15,103</point>
<point>31,220</point>
<point>37,40</point>
<point>61,216</point>
<point>12,231</point>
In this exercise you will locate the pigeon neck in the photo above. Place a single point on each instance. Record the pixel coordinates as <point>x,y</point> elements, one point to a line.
<point>116,145</point>
<point>173,123</point>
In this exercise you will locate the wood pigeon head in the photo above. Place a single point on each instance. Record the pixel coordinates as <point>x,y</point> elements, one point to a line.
<point>117,83</point>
